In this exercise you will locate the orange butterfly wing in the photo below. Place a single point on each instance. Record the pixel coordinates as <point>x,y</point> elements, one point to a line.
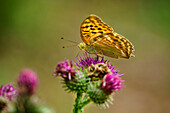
<point>91,26</point>
<point>112,45</point>
<point>94,32</point>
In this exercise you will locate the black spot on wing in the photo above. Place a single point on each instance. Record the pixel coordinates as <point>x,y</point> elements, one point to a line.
<point>95,39</point>
<point>86,31</point>
<point>98,20</point>
<point>93,32</point>
<point>115,40</point>
<point>126,45</point>
<point>85,27</point>
<point>100,36</point>
<point>92,21</point>
<point>101,32</point>
<point>86,22</point>
<point>117,36</point>
<point>110,34</point>
<point>92,28</point>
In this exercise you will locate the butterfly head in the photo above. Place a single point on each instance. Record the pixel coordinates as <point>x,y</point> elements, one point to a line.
<point>82,46</point>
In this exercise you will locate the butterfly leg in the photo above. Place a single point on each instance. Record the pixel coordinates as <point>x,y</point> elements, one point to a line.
<point>100,52</point>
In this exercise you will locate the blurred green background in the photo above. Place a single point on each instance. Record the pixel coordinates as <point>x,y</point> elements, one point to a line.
<point>30,34</point>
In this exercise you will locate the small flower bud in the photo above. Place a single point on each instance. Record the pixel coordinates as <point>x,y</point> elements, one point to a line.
<point>111,83</point>
<point>7,93</point>
<point>27,82</point>
<point>65,70</point>
<point>97,95</point>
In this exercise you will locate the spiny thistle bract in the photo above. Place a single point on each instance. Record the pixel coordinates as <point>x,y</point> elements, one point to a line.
<point>79,84</point>
<point>96,94</point>
<point>92,76</point>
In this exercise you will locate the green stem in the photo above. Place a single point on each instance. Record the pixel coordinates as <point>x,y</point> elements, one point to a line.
<point>85,103</point>
<point>77,108</point>
<point>85,97</point>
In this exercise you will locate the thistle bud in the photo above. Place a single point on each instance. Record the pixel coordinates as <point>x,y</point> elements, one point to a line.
<point>111,83</point>
<point>27,82</point>
<point>97,95</point>
<point>7,93</point>
<point>65,70</point>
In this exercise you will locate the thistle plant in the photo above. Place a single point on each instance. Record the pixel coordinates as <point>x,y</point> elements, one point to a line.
<point>92,79</point>
<point>7,93</point>
<point>25,101</point>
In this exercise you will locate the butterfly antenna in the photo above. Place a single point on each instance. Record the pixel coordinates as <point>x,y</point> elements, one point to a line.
<point>70,41</point>
<point>68,46</point>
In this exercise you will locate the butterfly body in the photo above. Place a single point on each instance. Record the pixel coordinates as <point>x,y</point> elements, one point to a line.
<point>87,48</point>
<point>100,38</point>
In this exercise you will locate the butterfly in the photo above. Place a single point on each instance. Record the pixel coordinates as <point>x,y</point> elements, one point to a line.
<point>100,38</point>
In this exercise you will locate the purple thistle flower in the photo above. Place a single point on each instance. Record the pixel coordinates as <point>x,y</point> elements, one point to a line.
<point>111,83</point>
<point>8,91</point>
<point>27,82</point>
<point>88,61</point>
<point>65,70</point>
